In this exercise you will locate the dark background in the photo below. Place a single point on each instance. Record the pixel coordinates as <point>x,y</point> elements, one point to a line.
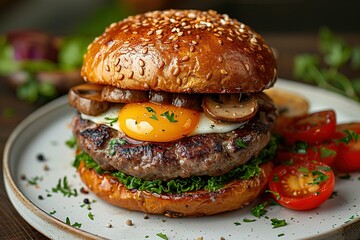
<point>75,16</point>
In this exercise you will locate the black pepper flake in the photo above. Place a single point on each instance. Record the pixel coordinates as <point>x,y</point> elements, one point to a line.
<point>23,177</point>
<point>86,201</point>
<point>40,157</point>
<point>40,197</point>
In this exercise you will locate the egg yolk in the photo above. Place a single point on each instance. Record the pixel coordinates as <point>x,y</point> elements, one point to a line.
<point>157,123</point>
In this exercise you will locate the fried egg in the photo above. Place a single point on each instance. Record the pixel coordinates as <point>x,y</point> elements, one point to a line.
<point>159,123</point>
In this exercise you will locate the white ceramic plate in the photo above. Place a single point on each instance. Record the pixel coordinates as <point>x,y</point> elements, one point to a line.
<point>46,131</point>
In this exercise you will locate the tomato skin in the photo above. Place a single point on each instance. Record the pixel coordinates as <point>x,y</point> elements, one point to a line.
<point>348,156</point>
<point>305,199</point>
<point>313,153</point>
<point>312,128</point>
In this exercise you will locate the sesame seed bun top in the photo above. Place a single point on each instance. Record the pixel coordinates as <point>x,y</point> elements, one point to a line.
<point>181,51</point>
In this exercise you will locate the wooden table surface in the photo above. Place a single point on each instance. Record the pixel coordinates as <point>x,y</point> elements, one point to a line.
<point>12,225</point>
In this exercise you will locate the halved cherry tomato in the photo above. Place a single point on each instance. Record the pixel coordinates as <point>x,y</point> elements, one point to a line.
<point>313,128</point>
<point>348,157</point>
<point>302,185</point>
<point>324,152</point>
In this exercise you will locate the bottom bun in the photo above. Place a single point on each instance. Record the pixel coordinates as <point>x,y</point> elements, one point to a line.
<point>233,195</point>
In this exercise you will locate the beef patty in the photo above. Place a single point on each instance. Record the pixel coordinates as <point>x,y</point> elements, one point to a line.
<point>205,154</point>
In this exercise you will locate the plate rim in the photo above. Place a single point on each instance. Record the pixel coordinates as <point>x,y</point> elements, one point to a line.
<point>75,233</point>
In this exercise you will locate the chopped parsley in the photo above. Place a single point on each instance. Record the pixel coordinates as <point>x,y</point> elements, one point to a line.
<point>301,147</point>
<point>237,223</point>
<point>319,177</point>
<point>75,224</point>
<point>350,135</point>
<point>111,120</point>
<point>34,180</point>
<point>91,216</point>
<point>240,143</point>
<point>113,142</point>
<point>248,220</point>
<point>276,194</point>
<point>276,178</point>
<point>168,116</point>
<point>281,234</point>
<point>71,143</point>
<point>64,188</point>
<point>278,222</point>
<point>346,176</point>
<point>259,210</point>
<point>153,116</point>
<point>325,152</point>
<point>162,235</point>
<point>52,212</point>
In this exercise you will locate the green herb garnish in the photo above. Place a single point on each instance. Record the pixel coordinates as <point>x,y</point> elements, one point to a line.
<point>240,143</point>
<point>34,180</point>
<point>248,220</point>
<point>75,224</point>
<point>319,177</point>
<point>64,188</point>
<point>259,210</point>
<point>301,147</point>
<point>346,176</point>
<point>281,234</point>
<point>277,195</point>
<point>113,142</point>
<point>168,116</point>
<point>52,212</point>
<point>350,135</point>
<point>111,120</point>
<point>325,152</point>
<point>278,222</point>
<point>162,235</point>
<point>237,223</point>
<point>91,216</point>
<point>71,143</point>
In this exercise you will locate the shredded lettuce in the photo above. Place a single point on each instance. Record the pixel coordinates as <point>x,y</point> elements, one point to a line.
<point>182,185</point>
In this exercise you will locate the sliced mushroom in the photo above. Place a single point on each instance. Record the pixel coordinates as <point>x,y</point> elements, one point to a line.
<point>117,95</point>
<point>230,107</point>
<point>87,99</point>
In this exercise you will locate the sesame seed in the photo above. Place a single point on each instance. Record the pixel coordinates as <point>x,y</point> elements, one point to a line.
<point>194,42</point>
<point>162,64</point>
<point>247,66</point>
<point>150,32</point>
<point>131,74</point>
<point>158,32</point>
<point>118,68</point>
<point>175,38</point>
<point>220,58</point>
<point>230,39</point>
<point>185,58</point>
<point>176,71</point>
<point>135,32</point>
<point>145,50</point>
<point>121,76</point>
<point>171,37</point>
<point>117,61</point>
<point>176,45</point>
<point>224,72</point>
<point>146,85</point>
<point>141,63</point>
<point>220,42</point>
<point>192,49</point>
<point>141,71</point>
<point>178,81</point>
<point>180,34</point>
<point>208,76</point>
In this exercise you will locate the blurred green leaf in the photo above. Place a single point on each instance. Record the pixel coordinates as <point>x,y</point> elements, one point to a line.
<point>28,91</point>
<point>47,89</point>
<point>72,51</point>
<point>355,58</point>
<point>34,66</point>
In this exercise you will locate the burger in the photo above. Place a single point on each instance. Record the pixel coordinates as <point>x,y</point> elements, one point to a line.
<point>172,119</point>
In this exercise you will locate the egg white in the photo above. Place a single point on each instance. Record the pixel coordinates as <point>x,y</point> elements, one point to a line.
<point>204,126</point>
